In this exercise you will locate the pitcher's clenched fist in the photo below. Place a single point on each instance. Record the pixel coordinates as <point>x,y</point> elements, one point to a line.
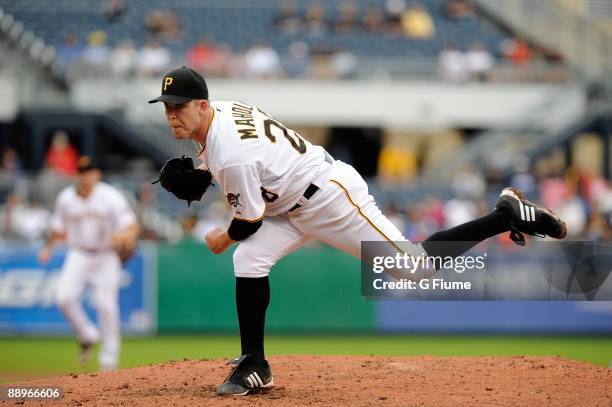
<point>218,240</point>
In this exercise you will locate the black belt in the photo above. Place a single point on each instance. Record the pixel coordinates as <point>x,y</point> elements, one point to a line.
<point>312,188</point>
<point>310,191</point>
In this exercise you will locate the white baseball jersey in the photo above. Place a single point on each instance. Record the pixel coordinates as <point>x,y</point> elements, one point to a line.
<point>262,166</point>
<point>264,169</point>
<point>91,222</point>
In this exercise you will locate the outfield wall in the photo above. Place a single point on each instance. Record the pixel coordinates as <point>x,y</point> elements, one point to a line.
<point>185,288</point>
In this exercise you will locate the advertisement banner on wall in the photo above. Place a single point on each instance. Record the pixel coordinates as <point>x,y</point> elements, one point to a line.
<point>27,293</point>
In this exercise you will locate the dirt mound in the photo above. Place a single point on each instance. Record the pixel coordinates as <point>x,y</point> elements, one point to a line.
<point>352,380</point>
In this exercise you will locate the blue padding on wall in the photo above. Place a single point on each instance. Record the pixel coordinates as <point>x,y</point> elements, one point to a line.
<point>494,316</point>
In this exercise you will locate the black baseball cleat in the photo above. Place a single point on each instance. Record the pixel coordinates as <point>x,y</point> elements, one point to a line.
<point>86,352</point>
<point>527,217</point>
<point>247,376</point>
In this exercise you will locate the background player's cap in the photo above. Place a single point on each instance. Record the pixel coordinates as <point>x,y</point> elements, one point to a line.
<point>181,85</point>
<point>86,164</point>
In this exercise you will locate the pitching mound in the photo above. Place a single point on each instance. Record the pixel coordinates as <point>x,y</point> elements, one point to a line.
<point>354,381</point>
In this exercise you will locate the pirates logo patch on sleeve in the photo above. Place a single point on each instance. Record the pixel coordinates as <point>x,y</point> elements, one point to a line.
<point>234,200</point>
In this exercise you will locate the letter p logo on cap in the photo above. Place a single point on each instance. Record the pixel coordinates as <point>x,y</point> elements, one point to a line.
<point>167,82</point>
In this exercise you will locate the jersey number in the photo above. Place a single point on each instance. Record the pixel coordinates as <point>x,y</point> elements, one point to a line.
<point>296,141</point>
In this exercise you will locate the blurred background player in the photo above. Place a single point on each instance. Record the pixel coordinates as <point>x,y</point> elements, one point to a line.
<point>99,227</point>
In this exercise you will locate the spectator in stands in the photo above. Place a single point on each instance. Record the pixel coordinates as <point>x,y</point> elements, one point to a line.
<point>96,54</point>
<point>11,166</point>
<point>347,21</point>
<point>154,22</point>
<point>8,214</point>
<point>188,222</point>
<point>199,53</point>
<point>235,65</point>
<point>18,220</point>
<point>288,21</point>
<point>262,61</point>
<point>574,214</point>
<point>596,226</point>
<point>416,223</point>
<point>171,27</point>
<point>458,9</point>
<point>479,62</point>
<point>71,51</point>
<point>153,59</point>
<point>62,158</point>
<point>458,210</point>
<point>597,191</point>
<point>343,64</point>
<point>146,202</point>
<point>123,59</point>
<point>163,25</point>
<point>319,67</point>
<point>560,191</point>
<point>516,50</point>
<point>394,10</point>
<point>154,224</point>
<point>220,60</point>
<point>552,187</point>
<point>50,183</point>
<point>114,10</point>
<point>397,164</point>
<point>34,221</point>
<point>452,64</point>
<point>205,57</point>
<point>434,211</point>
<point>10,172</point>
<point>374,20</point>
<point>417,23</point>
<point>299,59</point>
<point>523,177</point>
<point>469,183</point>
<point>315,20</point>
<point>494,176</point>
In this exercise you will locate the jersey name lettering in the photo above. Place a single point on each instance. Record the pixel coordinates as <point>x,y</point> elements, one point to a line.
<point>243,117</point>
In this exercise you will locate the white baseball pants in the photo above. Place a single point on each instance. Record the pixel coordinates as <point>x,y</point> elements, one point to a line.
<point>341,214</point>
<point>100,271</point>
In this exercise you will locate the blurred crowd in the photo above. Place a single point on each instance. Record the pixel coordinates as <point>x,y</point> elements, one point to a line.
<point>520,61</point>
<point>396,17</point>
<point>94,57</point>
<point>214,59</point>
<point>580,197</point>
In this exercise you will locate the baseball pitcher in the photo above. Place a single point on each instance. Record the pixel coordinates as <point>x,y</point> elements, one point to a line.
<point>284,191</point>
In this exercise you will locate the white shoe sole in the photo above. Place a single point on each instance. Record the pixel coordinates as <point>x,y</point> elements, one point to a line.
<point>254,389</point>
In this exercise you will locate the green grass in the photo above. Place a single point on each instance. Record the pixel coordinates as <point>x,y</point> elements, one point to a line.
<point>22,357</point>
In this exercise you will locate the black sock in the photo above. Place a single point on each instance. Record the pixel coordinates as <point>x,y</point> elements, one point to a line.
<point>252,299</point>
<point>466,235</point>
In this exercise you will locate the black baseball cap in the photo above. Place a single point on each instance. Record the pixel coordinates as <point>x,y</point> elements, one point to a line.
<point>181,85</point>
<point>86,163</point>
